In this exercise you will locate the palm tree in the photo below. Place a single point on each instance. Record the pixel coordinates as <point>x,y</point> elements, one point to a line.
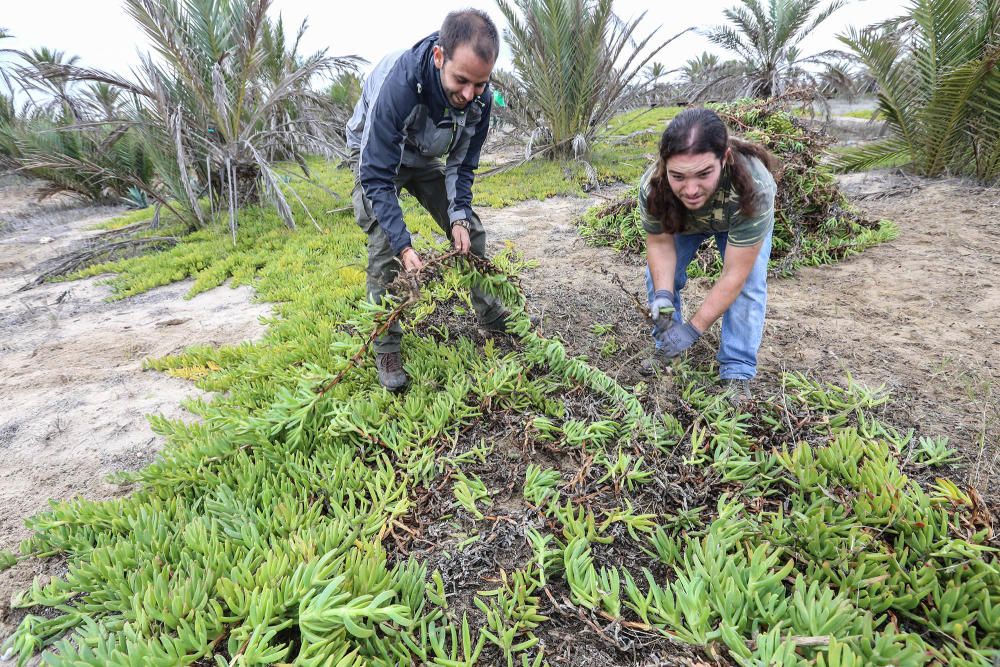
<point>709,77</point>
<point>938,81</point>
<point>95,162</point>
<point>224,97</point>
<point>695,68</point>
<point>766,38</point>
<point>64,135</point>
<point>575,65</point>
<point>8,115</point>
<point>345,91</point>
<point>843,77</point>
<point>103,101</point>
<point>653,88</point>
<point>655,72</point>
<point>7,111</point>
<point>306,120</point>
<point>43,71</point>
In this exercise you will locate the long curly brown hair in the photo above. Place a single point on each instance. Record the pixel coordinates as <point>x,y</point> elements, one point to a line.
<point>695,131</point>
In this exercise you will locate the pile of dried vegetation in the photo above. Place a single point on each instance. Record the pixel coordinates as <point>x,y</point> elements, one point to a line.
<point>814,223</point>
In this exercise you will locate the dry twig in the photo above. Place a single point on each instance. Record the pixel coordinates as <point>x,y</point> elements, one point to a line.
<point>408,283</point>
<point>77,260</point>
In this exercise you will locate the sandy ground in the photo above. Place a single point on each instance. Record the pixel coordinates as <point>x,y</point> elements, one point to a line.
<point>921,314</point>
<point>73,395</point>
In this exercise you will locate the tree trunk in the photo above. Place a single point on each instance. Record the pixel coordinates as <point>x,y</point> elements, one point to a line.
<point>247,183</point>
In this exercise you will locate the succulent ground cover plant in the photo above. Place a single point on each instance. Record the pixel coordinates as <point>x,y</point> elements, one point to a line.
<point>513,495</point>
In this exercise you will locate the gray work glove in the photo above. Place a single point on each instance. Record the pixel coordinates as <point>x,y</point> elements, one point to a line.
<point>677,338</point>
<point>662,305</point>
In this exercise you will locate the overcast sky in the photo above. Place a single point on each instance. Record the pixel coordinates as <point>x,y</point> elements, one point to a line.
<point>103,35</point>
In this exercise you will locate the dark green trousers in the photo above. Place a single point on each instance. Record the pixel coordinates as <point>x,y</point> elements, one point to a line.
<point>426,184</point>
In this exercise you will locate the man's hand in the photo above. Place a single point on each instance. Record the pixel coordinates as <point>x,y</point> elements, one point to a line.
<point>460,236</point>
<point>411,260</point>
<point>677,338</point>
<point>662,305</point>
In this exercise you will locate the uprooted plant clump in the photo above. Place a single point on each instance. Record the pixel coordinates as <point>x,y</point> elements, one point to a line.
<point>513,498</point>
<point>814,223</point>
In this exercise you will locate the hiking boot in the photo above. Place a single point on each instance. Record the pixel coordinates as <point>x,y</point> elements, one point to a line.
<point>497,326</point>
<point>737,391</point>
<point>657,362</point>
<point>390,371</point>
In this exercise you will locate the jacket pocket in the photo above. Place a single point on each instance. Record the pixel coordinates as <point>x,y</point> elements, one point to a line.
<point>435,141</point>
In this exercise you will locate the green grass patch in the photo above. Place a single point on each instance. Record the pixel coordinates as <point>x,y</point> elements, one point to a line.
<point>623,153</point>
<point>653,119</point>
<point>535,179</point>
<point>629,144</point>
<point>866,114</point>
<point>126,219</point>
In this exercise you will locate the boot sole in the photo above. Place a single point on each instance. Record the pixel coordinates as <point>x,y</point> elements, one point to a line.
<point>395,390</point>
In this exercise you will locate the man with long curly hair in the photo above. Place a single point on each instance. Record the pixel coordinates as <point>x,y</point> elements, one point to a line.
<point>708,184</point>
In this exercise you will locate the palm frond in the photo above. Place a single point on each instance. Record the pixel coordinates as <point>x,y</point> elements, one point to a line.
<point>872,155</point>
<point>938,84</point>
<point>575,64</point>
<point>765,37</point>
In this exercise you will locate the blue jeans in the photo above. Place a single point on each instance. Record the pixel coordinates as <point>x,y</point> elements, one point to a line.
<point>743,322</point>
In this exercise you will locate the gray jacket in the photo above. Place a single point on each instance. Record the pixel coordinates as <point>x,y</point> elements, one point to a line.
<point>403,118</point>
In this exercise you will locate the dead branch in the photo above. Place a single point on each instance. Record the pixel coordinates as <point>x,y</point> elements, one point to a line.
<point>83,258</point>
<point>642,308</point>
<point>888,192</point>
<point>378,331</point>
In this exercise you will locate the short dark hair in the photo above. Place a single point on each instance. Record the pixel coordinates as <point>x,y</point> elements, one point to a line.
<point>473,27</point>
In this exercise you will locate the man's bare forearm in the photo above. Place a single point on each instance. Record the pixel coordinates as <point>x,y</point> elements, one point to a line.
<point>661,257</point>
<point>719,298</point>
<point>736,267</point>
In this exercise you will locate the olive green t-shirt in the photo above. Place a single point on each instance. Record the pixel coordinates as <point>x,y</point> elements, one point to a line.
<point>722,212</point>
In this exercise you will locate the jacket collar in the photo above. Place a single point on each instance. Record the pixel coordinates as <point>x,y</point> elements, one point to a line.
<point>427,75</point>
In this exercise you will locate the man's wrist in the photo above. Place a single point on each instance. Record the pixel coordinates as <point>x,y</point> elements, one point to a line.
<point>461,222</point>
<point>663,293</point>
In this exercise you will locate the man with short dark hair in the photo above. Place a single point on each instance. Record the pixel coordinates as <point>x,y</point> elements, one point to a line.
<point>416,107</point>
